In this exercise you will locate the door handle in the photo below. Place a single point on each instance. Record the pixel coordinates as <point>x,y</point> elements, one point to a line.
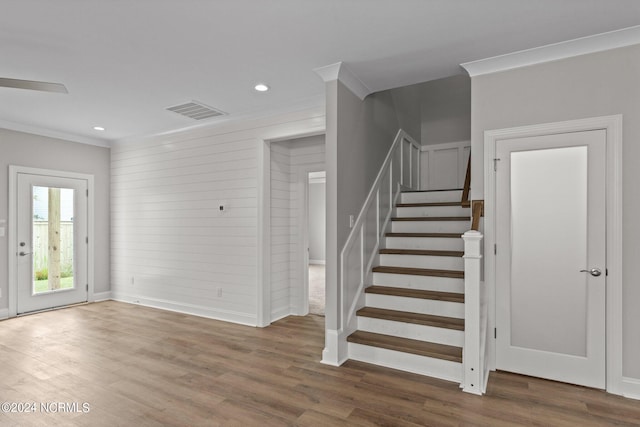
<point>24,253</point>
<point>595,272</point>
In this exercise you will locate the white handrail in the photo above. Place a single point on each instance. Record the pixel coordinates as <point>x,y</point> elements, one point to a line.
<point>361,248</point>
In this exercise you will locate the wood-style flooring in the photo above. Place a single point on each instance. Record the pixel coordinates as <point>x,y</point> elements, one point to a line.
<point>138,366</point>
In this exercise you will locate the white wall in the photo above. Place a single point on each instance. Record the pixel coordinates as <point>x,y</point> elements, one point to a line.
<point>172,247</point>
<point>317,222</point>
<point>24,149</point>
<point>599,84</point>
<point>446,110</point>
<point>290,162</point>
<point>444,166</point>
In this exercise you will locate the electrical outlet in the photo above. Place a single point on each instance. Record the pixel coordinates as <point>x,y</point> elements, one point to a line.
<point>219,292</point>
<point>133,281</point>
<point>351,221</point>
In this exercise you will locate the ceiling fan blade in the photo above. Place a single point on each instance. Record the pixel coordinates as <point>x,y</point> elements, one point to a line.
<point>33,85</point>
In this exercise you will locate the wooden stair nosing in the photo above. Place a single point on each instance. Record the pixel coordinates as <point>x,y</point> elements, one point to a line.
<point>432,218</point>
<point>427,204</point>
<point>424,252</point>
<point>453,274</point>
<point>416,293</point>
<point>432,191</point>
<point>414,318</point>
<point>434,235</point>
<point>406,345</point>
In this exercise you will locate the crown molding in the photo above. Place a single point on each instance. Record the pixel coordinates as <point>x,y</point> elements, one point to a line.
<point>553,52</point>
<point>339,71</point>
<point>35,130</point>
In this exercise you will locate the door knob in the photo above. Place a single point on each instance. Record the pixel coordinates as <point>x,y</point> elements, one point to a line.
<point>24,253</point>
<point>595,272</point>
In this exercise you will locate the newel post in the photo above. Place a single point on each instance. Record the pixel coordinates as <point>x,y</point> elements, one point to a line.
<point>472,359</point>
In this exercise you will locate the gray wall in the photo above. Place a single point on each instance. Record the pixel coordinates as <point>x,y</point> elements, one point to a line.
<point>23,149</point>
<point>446,110</point>
<point>599,84</point>
<point>317,221</point>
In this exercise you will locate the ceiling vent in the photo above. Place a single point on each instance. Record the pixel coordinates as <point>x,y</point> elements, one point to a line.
<point>196,110</point>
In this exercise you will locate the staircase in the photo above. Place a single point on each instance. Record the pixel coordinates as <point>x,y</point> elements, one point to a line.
<point>413,319</point>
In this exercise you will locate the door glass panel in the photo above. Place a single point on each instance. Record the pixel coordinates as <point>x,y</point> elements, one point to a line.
<point>549,248</point>
<point>52,232</point>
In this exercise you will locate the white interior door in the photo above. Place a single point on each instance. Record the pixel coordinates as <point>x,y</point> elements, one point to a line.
<point>550,260</point>
<point>52,238</point>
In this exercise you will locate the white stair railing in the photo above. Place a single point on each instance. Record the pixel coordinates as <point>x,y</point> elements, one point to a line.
<point>400,170</point>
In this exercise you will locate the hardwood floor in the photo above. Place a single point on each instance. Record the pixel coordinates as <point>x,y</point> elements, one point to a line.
<point>137,366</point>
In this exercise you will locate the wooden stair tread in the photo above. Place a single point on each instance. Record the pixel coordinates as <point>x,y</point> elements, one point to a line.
<point>421,252</point>
<point>427,204</point>
<point>439,235</point>
<point>416,293</point>
<point>415,318</point>
<point>432,191</point>
<point>405,345</point>
<point>432,218</point>
<point>454,274</point>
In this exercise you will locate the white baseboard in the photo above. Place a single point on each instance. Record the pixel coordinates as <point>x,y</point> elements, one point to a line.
<point>336,350</point>
<point>631,388</point>
<point>317,261</point>
<point>4,313</point>
<point>101,296</point>
<point>195,310</point>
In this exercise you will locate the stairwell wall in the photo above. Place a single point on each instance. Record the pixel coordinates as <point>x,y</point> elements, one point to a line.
<point>359,135</point>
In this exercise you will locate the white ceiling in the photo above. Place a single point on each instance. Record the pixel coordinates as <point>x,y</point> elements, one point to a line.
<point>125,61</point>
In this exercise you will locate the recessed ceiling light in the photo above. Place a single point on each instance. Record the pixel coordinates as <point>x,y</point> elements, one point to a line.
<point>261,87</point>
<point>100,128</point>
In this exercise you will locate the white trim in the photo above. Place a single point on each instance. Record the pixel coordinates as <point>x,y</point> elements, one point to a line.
<point>340,71</point>
<point>630,388</point>
<point>553,52</point>
<point>35,130</point>
<point>101,296</point>
<point>336,350</point>
<point>613,127</point>
<point>4,313</point>
<point>445,145</point>
<point>317,261</point>
<point>281,313</point>
<point>14,170</point>
<point>191,309</point>
<point>263,303</point>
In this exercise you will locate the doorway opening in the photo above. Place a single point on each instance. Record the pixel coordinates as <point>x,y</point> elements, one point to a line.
<point>316,238</point>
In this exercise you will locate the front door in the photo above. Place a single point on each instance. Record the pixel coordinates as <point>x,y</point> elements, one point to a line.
<point>52,242</point>
<point>550,258</point>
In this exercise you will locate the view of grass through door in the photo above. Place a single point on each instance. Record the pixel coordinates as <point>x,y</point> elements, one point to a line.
<point>52,239</point>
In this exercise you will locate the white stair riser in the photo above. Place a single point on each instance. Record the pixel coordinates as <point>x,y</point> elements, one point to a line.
<point>437,368</point>
<point>425,283</point>
<point>411,331</point>
<point>416,305</point>
<point>433,211</point>
<point>430,226</point>
<point>435,243</point>
<point>431,196</point>
<point>422,261</point>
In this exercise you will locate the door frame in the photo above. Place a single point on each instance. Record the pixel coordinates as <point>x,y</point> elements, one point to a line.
<point>12,260</point>
<point>613,127</point>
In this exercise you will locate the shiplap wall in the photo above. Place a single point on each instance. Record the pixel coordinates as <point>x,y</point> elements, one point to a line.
<point>290,163</point>
<point>171,245</point>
